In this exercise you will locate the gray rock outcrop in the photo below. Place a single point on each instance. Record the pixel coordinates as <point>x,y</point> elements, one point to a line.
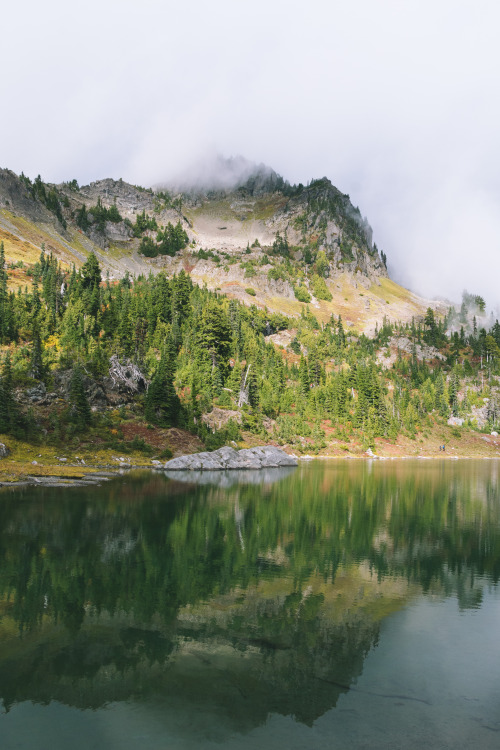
<point>4,451</point>
<point>37,393</point>
<point>263,457</point>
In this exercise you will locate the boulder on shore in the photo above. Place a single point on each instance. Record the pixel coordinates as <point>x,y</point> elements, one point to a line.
<point>263,457</point>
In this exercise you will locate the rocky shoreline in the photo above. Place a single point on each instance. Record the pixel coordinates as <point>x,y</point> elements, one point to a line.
<point>90,480</point>
<point>226,459</point>
<point>247,465</point>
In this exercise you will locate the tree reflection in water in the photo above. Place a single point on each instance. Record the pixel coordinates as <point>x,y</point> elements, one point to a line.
<point>257,597</point>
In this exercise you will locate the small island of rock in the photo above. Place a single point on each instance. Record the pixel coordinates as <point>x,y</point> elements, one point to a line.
<point>263,457</point>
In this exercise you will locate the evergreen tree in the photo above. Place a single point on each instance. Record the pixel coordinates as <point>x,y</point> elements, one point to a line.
<point>431,335</point>
<point>304,379</point>
<point>181,291</point>
<point>453,391</point>
<point>495,332</point>
<point>215,335</point>
<point>80,409</point>
<point>37,368</point>
<point>10,416</point>
<point>340,332</point>
<point>91,273</point>
<point>3,296</point>
<point>216,381</point>
<point>81,218</point>
<point>162,405</point>
<point>253,388</point>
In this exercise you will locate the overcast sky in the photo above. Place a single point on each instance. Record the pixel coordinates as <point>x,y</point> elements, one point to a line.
<point>396,101</point>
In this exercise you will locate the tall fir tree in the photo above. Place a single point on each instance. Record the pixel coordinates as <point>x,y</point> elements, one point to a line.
<point>80,408</point>
<point>10,415</point>
<point>37,368</point>
<point>162,405</point>
<point>3,296</point>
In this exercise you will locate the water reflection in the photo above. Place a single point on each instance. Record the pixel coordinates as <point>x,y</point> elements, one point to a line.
<point>229,478</point>
<point>255,598</point>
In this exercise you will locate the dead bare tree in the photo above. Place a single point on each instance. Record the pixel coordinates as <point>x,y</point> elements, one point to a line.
<point>243,397</point>
<point>127,375</point>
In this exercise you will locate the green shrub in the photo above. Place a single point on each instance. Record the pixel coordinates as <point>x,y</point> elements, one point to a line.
<point>320,289</point>
<point>301,293</point>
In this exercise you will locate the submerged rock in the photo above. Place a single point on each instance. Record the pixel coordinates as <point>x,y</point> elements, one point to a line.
<point>263,457</point>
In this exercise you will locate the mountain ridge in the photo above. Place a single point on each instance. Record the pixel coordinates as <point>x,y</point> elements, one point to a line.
<point>262,240</point>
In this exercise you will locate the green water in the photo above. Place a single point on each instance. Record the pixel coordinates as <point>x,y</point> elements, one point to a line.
<point>341,604</point>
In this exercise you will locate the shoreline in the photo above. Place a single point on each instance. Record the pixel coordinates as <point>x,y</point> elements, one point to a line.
<point>377,457</point>
<point>95,476</point>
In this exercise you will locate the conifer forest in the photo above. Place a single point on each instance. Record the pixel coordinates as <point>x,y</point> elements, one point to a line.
<point>197,351</point>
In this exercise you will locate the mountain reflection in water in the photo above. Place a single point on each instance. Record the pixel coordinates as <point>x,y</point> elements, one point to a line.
<point>255,597</point>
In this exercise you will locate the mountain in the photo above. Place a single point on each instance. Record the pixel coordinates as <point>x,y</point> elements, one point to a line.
<point>92,360</point>
<point>248,232</point>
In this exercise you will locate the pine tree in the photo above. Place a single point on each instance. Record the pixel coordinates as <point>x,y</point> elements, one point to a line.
<point>431,335</point>
<point>305,382</point>
<point>495,332</point>
<point>81,218</point>
<point>216,381</point>
<point>10,417</point>
<point>37,368</point>
<point>314,367</point>
<point>3,295</point>
<point>80,408</point>
<point>181,290</point>
<point>36,304</point>
<point>91,272</point>
<point>453,391</point>
<point>340,396</point>
<point>340,332</point>
<point>215,335</point>
<point>195,406</point>
<point>162,405</point>
<point>253,388</point>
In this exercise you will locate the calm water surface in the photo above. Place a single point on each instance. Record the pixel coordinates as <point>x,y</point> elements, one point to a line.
<point>341,604</point>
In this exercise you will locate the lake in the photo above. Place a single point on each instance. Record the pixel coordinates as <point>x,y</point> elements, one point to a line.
<point>339,604</point>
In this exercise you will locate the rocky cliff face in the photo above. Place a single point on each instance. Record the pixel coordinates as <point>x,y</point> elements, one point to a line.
<point>312,219</point>
<point>317,217</point>
<point>321,216</point>
<point>16,198</point>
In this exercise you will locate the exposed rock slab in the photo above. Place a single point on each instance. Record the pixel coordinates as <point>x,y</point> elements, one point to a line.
<point>263,457</point>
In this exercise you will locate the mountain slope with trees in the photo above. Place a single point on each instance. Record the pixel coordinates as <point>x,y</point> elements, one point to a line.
<point>206,360</point>
<point>261,241</point>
